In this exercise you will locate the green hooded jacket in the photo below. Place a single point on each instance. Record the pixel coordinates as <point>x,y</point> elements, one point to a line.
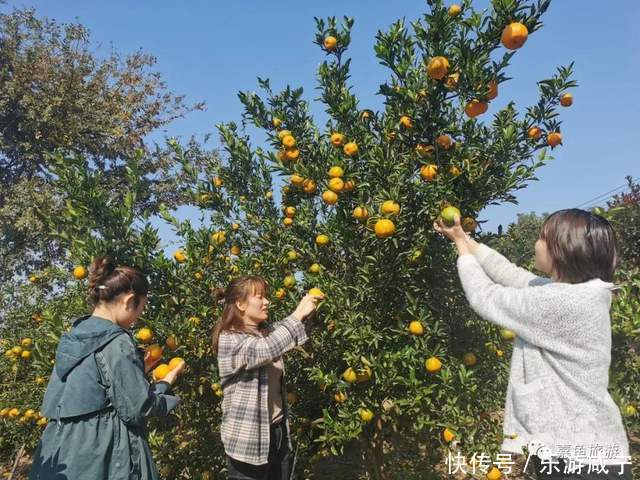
<point>97,400</point>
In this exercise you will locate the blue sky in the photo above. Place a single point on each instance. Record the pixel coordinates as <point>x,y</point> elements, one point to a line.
<point>209,50</point>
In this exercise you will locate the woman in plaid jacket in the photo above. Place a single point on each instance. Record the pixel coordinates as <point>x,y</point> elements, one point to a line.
<point>254,429</point>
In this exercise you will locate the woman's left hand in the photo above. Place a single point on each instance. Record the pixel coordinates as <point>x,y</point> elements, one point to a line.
<point>455,233</point>
<point>149,362</point>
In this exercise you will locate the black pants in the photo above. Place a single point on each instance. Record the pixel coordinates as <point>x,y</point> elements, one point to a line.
<point>279,463</point>
<point>555,471</point>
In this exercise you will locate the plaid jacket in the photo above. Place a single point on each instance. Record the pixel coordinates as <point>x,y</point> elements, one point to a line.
<point>242,361</point>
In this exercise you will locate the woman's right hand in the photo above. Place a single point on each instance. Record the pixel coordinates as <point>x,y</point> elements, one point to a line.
<point>172,376</point>
<point>307,306</point>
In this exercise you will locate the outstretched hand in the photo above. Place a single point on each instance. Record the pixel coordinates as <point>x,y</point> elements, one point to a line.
<point>455,233</point>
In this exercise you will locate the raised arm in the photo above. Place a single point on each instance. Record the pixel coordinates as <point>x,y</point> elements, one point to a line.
<point>132,396</point>
<point>238,352</point>
<point>501,270</point>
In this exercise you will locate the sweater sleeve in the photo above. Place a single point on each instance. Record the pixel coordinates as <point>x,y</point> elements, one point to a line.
<point>129,391</point>
<point>246,352</point>
<point>502,271</point>
<point>529,312</point>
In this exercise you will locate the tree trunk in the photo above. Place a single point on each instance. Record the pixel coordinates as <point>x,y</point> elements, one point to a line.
<point>373,453</point>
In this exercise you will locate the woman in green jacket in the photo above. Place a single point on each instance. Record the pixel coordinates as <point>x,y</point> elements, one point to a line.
<point>98,398</point>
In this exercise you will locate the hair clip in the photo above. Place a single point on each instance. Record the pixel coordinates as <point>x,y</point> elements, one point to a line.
<point>101,287</point>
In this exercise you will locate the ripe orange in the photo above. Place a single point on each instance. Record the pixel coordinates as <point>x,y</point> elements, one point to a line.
<point>330,43</point>
<point>79,273</point>
<point>349,186</point>
<point>448,215</point>
<point>288,222</point>
<point>406,122</point>
<point>424,150</point>
<point>554,139</point>
<point>288,141</point>
<point>384,228</point>
<point>444,141</point>
<point>469,359</point>
<point>454,10</point>
<point>389,207</point>
<point>437,67</point>
<point>292,255</point>
<point>218,182</point>
<point>175,362</point>
<point>534,133</point>
<point>281,293</point>
<point>289,281</point>
<point>161,371</point>
<point>219,237</point>
<point>337,139</point>
<point>316,291</point>
<point>283,133</point>
<point>315,268</point>
<point>179,256</point>
<point>145,335</point>
<point>514,35</point>
<point>276,122</point>
<point>366,415</point>
<point>309,186</point>
<point>235,250</point>
<point>360,213</point>
<point>349,375</point>
<point>493,90</point>
<point>351,149</point>
<point>25,355</point>
<point>329,197</point>
<point>475,108</point>
<point>336,184</point>
<point>322,240</point>
<point>340,397</point>
<point>292,154</point>
<point>171,342</point>
<point>416,328</point>
<point>297,179</point>
<point>336,172</point>
<point>433,365</point>
<point>290,212</point>
<point>155,351</point>
<point>366,114</point>
<point>455,171</point>
<point>448,435</point>
<point>494,474</point>
<point>235,226</point>
<point>26,342</point>
<point>17,350</point>
<point>566,100</point>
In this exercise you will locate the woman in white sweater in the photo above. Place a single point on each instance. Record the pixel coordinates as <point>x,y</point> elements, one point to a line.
<point>557,404</point>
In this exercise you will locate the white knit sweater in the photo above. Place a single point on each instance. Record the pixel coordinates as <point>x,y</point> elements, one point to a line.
<point>557,394</point>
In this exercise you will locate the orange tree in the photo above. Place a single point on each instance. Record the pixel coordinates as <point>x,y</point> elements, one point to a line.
<point>394,350</point>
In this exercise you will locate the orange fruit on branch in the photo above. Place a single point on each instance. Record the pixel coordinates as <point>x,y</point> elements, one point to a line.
<point>475,108</point>
<point>330,43</point>
<point>438,67</point>
<point>351,149</point>
<point>384,228</point>
<point>554,139</point>
<point>566,100</point>
<point>514,35</point>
